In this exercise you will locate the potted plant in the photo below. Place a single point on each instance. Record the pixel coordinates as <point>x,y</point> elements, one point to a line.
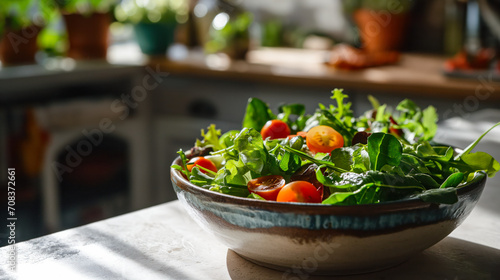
<point>87,25</point>
<point>154,22</point>
<point>381,23</point>
<point>20,24</point>
<point>230,35</point>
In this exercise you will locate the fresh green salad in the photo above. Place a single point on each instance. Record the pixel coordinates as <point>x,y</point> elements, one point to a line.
<point>333,157</point>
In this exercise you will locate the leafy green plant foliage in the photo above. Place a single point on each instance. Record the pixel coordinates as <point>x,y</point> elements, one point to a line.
<point>153,11</point>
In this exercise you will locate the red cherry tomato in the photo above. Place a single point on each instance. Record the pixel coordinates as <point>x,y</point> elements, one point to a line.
<point>323,139</point>
<point>275,129</point>
<point>299,191</point>
<point>203,162</point>
<point>267,187</point>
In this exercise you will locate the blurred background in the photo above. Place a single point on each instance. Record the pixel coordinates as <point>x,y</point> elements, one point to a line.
<point>96,96</point>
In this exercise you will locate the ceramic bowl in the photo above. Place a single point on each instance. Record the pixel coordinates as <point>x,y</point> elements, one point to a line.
<point>324,239</point>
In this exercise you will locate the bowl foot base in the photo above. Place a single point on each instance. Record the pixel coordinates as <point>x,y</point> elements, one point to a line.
<point>319,271</point>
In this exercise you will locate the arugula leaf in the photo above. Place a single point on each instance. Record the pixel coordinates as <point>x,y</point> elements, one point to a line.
<point>440,153</point>
<point>380,126</point>
<point>199,178</point>
<point>374,101</point>
<point>255,196</point>
<point>426,180</point>
<point>444,196</point>
<point>479,160</point>
<point>177,167</point>
<point>377,177</point>
<point>408,110</point>
<point>184,162</point>
<point>411,164</point>
<point>429,123</point>
<point>474,144</point>
<point>343,157</point>
<point>421,125</point>
<point>343,198</point>
<point>291,109</point>
<point>380,117</point>
<point>257,114</point>
<point>482,161</point>
<point>476,176</point>
<point>329,119</point>
<point>328,180</point>
<point>290,162</point>
<point>298,111</point>
<point>241,192</point>
<point>384,149</point>
<point>361,159</point>
<point>314,160</point>
<point>453,180</point>
<point>370,193</point>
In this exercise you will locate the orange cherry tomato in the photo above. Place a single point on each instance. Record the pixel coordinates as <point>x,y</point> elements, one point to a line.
<point>299,133</point>
<point>275,129</point>
<point>203,162</point>
<point>302,133</point>
<point>267,187</point>
<point>299,191</point>
<point>323,139</point>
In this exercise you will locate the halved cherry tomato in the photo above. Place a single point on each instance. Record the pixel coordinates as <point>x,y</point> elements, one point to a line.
<point>267,187</point>
<point>203,162</point>
<point>323,139</point>
<point>299,191</point>
<point>275,129</point>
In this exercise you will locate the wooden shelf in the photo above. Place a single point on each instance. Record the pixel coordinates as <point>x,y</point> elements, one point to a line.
<point>38,83</point>
<point>415,74</point>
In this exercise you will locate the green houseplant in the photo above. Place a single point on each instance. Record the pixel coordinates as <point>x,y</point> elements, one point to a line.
<point>381,23</point>
<point>230,35</point>
<point>20,24</point>
<point>154,22</point>
<point>87,25</point>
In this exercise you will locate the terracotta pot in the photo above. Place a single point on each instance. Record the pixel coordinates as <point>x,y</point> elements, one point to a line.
<point>238,49</point>
<point>381,30</point>
<point>88,36</point>
<point>19,46</point>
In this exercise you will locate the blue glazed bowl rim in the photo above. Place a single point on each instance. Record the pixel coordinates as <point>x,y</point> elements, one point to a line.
<point>179,180</point>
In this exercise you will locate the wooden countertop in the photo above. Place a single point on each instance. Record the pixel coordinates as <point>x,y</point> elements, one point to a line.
<point>416,74</point>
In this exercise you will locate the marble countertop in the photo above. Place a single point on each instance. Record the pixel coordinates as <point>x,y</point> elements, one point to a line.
<point>163,242</point>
